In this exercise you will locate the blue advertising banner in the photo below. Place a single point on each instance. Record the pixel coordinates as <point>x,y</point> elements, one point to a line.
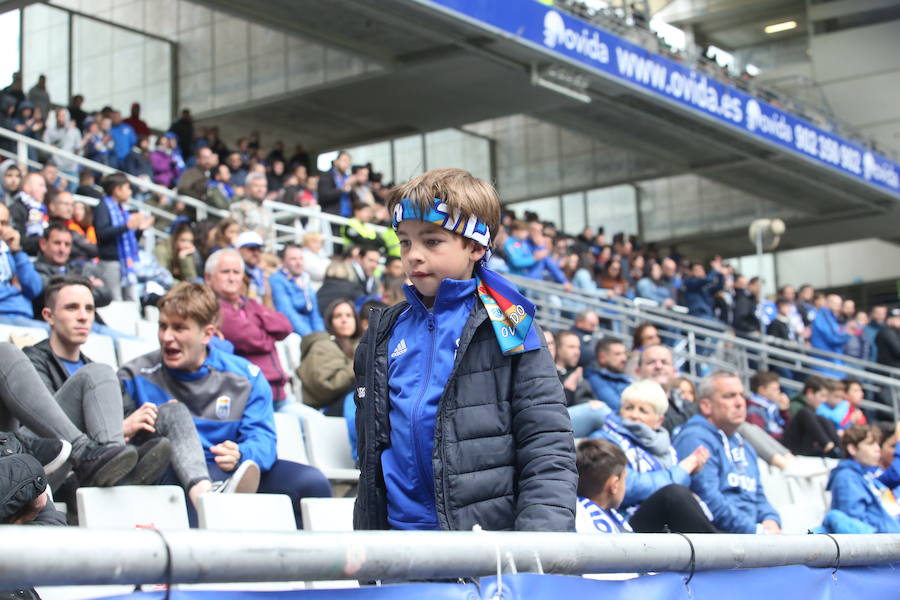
<point>860,583</point>
<point>550,30</point>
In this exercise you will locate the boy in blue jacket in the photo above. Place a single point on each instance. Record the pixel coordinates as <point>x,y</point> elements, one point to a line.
<point>461,419</point>
<point>857,491</point>
<point>729,484</point>
<point>293,294</point>
<point>228,398</point>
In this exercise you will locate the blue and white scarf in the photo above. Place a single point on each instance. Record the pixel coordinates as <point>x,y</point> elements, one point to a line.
<point>37,215</point>
<point>302,282</point>
<point>346,206</point>
<point>511,313</point>
<point>126,242</point>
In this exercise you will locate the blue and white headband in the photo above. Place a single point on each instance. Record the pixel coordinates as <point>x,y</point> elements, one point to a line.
<point>443,216</point>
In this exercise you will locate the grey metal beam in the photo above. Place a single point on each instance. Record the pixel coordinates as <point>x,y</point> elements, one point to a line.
<point>83,556</point>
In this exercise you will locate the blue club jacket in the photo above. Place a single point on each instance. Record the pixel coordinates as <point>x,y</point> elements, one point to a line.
<point>607,386</point>
<point>698,293</point>
<point>228,397</point>
<point>290,301</point>
<point>856,492</point>
<point>646,475</point>
<point>422,348</point>
<point>729,482</point>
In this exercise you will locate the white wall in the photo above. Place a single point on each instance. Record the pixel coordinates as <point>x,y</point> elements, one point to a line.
<point>831,265</point>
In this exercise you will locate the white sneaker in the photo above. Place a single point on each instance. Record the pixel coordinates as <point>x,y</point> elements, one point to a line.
<point>245,480</point>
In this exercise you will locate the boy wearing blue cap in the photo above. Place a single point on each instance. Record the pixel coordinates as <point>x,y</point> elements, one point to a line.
<point>461,419</point>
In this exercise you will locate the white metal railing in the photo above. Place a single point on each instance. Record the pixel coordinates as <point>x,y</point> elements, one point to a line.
<point>82,556</point>
<point>708,344</point>
<point>287,217</point>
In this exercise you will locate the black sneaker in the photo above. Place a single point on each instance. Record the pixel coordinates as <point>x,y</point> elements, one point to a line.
<point>153,458</point>
<point>105,465</point>
<point>51,453</point>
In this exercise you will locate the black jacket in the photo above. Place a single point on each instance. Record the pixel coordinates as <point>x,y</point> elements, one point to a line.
<point>22,480</point>
<point>888,343</point>
<point>745,322</point>
<point>329,194</point>
<point>48,365</point>
<point>504,462</point>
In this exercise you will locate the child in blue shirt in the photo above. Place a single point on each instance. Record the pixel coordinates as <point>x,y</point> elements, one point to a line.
<point>461,419</point>
<point>601,487</point>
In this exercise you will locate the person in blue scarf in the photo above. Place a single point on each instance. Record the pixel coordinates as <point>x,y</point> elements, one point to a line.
<point>117,235</point>
<point>461,419</point>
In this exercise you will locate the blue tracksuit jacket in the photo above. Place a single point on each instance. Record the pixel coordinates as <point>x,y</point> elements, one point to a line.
<point>422,348</point>
<point>301,309</point>
<point>857,492</point>
<point>729,482</point>
<point>827,335</point>
<point>228,397</point>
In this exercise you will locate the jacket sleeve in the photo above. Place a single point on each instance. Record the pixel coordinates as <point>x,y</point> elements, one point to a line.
<point>281,298</point>
<point>274,323</point>
<point>31,282</point>
<point>641,486</point>
<point>256,433</point>
<point>829,331</point>
<point>41,363</point>
<point>545,448</point>
<point>315,315</point>
<point>106,232</point>
<point>555,272</point>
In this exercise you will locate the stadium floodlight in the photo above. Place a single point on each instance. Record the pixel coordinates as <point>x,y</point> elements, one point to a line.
<point>779,27</point>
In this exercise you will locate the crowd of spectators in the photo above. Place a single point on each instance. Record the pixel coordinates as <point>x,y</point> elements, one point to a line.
<point>667,454</point>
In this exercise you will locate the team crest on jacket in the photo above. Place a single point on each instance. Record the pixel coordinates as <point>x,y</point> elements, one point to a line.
<point>223,407</point>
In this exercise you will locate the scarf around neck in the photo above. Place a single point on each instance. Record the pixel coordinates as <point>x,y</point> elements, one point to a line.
<point>656,442</point>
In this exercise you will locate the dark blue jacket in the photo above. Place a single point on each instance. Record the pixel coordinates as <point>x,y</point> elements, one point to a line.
<point>698,293</point>
<point>301,309</point>
<point>15,301</point>
<point>646,475</point>
<point>856,492</point>
<point>729,482</point>
<point>501,454</point>
<point>607,386</point>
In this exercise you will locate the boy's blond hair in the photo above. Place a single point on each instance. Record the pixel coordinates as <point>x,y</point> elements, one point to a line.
<point>189,300</point>
<point>458,188</point>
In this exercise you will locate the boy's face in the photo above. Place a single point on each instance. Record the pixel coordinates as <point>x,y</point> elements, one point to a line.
<point>771,392</point>
<point>867,453</point>
<point>519,234</point>
<point>888,447</point>
<point>815,399</point>
<point>183,341</point>
<point>835,397</point>
<point>854,394</point>
<point>431,254</point>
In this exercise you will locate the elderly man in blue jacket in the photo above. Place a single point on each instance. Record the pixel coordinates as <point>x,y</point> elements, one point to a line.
<point>19,282</point>
<point>729,484</point>
<point>828,334</point>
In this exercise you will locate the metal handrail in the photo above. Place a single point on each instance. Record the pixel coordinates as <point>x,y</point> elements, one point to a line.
<point>82,556</point>
<point>703,342</point>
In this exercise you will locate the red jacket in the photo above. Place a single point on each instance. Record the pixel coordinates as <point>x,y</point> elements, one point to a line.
<point>254,329</point>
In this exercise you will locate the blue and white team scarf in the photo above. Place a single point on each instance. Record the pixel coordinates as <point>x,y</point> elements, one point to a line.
<point>126,242</point>
<point>511,313</point>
